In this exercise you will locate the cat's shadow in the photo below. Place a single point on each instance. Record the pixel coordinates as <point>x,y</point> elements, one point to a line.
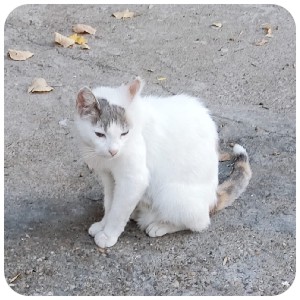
<point>65,220</point>
<point>59,224</point>
<point>52,220</point>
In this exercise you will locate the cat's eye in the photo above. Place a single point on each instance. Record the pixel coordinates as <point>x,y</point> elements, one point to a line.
<point>124,133</point>
<point>99,134</point>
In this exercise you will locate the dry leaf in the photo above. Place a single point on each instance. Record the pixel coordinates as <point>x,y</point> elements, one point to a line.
<point>225,260</point>
<point>269,34</point>
<point>19,55</point>
<point>261,42</point>
<point>161,78</point>
<point>82,28</point>
<point>14,278</point>
<point>268,29</point>
<point>63,40</point>
<point>275,153</point>
<point>39,85</point>
<point>266,26</point>
<point>262,105</point>
<point>78,39</point>
<point>123,14</point>
<point>217,24</point>
<point>85,46</point>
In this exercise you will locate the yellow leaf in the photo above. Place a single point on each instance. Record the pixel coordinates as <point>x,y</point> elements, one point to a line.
<point>82,28</point>
<point>63,40</point>
<point>39,85</point>
<point>78,39</point>
<point>123,14</point>
<point>161,78</point>
<point>81,40</point>
<point>19,55</point>
<point>73,37</point>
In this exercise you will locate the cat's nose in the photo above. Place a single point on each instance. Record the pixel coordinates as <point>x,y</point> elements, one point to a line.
<point>113,152</point>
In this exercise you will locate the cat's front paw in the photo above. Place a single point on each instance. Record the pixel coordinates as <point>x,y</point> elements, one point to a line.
<point>96,227</point>
<point>102,240</point>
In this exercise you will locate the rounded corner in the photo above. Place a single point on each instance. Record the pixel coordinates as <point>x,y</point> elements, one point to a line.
<point>8,291</point>
<point>288,11</point>
<point>291,288</point>
<point>11,11</point>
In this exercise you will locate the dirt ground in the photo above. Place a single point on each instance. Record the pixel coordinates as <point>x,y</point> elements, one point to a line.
<point>247,80</point>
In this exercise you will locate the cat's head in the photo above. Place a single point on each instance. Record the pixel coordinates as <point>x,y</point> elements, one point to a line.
<point>104,120</point>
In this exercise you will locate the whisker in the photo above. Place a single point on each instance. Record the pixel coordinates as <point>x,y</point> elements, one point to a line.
<point>89,155</point>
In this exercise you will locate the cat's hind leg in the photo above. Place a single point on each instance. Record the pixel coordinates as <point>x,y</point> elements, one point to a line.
<point>181,207</point>
<point>148,219</point>
<point>156,229</point>
<point>145,215</point>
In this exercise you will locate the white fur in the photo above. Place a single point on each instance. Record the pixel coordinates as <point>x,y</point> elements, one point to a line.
<point>238,149</point>
<point>166,171</point>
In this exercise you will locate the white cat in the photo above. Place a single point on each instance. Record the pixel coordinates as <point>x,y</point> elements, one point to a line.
<point>157,159</point>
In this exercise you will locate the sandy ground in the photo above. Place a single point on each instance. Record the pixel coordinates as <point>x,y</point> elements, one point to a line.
<point>51,198</point>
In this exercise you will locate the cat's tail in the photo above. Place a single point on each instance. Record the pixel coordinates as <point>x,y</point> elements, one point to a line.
<point>235,185</point>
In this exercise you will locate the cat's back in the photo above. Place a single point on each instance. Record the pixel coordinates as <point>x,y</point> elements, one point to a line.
<point>170,102</point>
<point>178,111</point>
<point>180,136</point>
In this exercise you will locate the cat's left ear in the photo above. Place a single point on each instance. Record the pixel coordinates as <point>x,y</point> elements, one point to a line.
<point>85,100</point>
<point>135,87</point>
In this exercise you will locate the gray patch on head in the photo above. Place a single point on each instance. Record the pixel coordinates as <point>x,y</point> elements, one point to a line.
<point>90,112</point>
<point>109,114</point>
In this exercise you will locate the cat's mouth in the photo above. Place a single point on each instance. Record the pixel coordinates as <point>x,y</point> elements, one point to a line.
<point>111,157</point>
<point>107,156</point>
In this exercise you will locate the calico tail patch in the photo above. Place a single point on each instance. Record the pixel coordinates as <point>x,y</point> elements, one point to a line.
<point>237,182</point>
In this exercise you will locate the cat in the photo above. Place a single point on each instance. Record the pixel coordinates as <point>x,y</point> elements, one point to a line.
<point>157,158</point>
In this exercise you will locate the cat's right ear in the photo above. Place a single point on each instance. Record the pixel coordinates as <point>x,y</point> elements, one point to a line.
<point>135,87</point>
<point>85,100</point>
